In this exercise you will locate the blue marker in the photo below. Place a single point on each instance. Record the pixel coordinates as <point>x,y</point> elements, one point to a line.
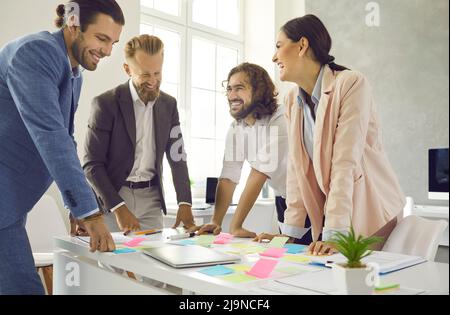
<point>321,264</point>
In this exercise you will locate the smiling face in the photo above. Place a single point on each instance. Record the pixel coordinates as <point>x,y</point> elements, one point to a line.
<point>145,71</point>
<point>239,93</point>
<point>96,42</point>
<point>289,57</point>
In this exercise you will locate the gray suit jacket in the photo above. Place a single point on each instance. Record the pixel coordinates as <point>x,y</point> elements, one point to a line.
<point>111,142</point>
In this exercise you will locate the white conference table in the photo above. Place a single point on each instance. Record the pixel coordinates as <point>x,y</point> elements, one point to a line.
<point>77,271</point>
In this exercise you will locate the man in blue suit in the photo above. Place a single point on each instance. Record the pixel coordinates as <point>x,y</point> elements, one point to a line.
<point>40,83</point>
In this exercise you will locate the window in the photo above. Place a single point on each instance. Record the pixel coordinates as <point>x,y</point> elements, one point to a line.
<point>171,7</point>
<point>221,15</point>
<point>203,42</point>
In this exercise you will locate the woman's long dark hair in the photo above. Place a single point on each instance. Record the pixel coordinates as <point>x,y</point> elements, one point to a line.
<point>312,28</point>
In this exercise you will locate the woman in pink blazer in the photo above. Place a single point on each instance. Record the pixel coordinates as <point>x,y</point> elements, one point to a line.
<point>338,173</point>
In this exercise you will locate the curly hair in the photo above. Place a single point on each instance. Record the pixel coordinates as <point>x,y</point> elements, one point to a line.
<point>264,93</point>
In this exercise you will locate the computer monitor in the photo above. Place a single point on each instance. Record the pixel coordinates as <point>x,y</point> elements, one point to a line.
<point>211,186</point>
<point>438,174</point>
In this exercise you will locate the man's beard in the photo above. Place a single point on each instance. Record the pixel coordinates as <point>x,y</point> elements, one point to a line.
<point>81,54</point>
<point>244,112</point>
<point>148,96</point>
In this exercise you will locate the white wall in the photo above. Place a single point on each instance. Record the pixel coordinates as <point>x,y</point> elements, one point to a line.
<point>260,33</point>
<point>286,10</point>
<point>20,17</point>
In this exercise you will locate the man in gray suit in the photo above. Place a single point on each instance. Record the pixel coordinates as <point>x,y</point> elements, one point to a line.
<point>130,129</point>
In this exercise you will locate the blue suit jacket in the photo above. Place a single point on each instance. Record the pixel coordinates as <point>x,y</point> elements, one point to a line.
<point>39,94</point>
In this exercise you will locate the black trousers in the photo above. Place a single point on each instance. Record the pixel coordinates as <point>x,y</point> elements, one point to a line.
<point>307,239</point>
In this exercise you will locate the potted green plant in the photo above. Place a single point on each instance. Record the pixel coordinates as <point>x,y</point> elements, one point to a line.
<point>353,277</point>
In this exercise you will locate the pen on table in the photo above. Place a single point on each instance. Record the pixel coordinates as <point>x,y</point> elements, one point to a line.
<point>181,236</point>
<point>155,232</point>
<point>143,232</point>
<point>322,264</point>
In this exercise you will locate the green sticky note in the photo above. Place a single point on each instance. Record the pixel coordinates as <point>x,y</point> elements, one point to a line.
<point>205,239</point>
<point>387,287</point>
<point>239,278</point>
<point>297,259</point>
<point>248,248</point>
<point>278,242</point>
<point>239,268</point>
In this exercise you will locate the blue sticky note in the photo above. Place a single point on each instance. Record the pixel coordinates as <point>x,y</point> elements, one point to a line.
<point>124,251</point>
<point>187,242</point>
<point>295,248</point>
<point>217,271</point>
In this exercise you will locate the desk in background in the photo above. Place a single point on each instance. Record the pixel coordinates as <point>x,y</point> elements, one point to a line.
<point>262,217</point>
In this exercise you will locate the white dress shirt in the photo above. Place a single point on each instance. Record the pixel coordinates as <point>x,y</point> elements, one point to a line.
<point>264,146</point>
<point>144,167</point>
<point>144,158</point>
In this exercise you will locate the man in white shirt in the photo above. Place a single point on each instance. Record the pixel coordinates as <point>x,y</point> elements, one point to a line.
<point>259,136</point>
<point>130,129</point>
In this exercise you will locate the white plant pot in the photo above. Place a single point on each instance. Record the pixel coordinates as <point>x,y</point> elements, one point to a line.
<point>354,281</point>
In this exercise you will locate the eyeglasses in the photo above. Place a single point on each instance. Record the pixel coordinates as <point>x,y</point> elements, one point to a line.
<point>236,88</point>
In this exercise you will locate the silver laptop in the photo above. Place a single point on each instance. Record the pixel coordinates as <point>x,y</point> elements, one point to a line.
<point>189,256</point>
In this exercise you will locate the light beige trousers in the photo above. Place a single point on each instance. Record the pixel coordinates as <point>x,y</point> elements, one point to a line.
<point>145,204</point>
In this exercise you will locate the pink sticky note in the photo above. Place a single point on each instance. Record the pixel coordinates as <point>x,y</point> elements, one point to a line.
<point>274,252</point>
<point>263,268</point>
<point>221,241</point>
<point>134,242</point>
<point>225,235</point>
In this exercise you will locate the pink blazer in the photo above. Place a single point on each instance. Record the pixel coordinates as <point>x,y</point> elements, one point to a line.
<point>350,180</point>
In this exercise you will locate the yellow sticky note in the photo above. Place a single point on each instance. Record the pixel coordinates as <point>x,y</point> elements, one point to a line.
<point>141,247</point>
<point>239,278</point>
<point>244,249</point>
<point>322,255</point>
<point>255,250</point>
<point>241,246</point>
<point>297,259</point>
<point>205,239</point>
<point>239,268</point>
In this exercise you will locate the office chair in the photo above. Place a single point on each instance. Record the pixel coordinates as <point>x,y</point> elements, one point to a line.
<point>45,222</point>
<point>416,236</point>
